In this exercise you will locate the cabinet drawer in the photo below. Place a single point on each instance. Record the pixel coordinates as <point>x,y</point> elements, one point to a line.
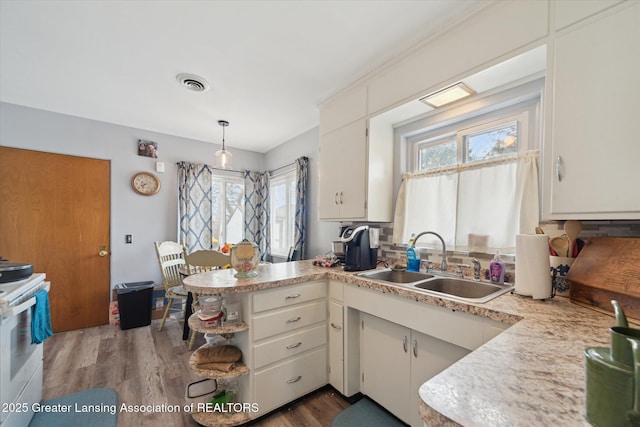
<point>289,295</point>
<point>290,345</point>
<point>275,323</point>
<point>287,381</point>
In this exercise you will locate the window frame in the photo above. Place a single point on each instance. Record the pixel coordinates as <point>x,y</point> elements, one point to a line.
<point>225,179</point>
<point>470,127</point>
<point>288,178</point>
<point>523,103</point>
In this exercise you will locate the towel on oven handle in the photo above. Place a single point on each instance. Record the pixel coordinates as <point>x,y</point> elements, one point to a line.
<point>41,318</point>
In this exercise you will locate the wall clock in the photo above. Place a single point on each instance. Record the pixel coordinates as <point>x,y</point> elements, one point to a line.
<point>145,183</point>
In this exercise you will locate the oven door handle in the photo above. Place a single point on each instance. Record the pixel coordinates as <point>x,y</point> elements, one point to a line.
<point>14,311</point>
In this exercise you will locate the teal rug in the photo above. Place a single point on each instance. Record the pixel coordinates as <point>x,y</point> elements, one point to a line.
<point>365,413</point>
<point>97,407</point>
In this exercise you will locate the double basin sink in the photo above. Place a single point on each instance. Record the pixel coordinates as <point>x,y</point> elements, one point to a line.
<point>461,289</point>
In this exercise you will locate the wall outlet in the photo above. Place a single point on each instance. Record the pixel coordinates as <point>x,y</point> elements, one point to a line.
<point>128,238</point>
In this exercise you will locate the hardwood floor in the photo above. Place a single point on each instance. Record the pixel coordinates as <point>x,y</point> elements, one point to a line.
<point>146,366</point>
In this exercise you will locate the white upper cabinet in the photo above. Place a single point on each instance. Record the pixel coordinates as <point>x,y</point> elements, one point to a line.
<point>355,178</point>
<point>570,12</point>
<point>591,150</point>
<point>343,109</point>
<point>467,47</point>
<point>350,165</point>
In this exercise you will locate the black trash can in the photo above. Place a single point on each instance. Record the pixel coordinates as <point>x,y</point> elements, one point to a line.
<point>134,304</point>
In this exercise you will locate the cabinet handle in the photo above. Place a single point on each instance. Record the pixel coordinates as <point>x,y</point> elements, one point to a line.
<point>334,326</point>
<point>558,166</point>
<point>415,348</point>
<point>335,198</point>
<point>294,380</point>
<point>294,296</point>
<point>289,347</point>
<point>341,197</point>
<point>294,320</point>
<point>405,343</point>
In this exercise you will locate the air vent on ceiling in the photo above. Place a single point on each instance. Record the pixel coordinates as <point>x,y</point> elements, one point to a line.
<point>193,82</point>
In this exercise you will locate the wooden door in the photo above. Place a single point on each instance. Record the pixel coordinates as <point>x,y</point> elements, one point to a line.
<point>54,214</point>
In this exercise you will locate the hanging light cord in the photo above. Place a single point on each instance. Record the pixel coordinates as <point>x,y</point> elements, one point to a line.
<point>224,124</point>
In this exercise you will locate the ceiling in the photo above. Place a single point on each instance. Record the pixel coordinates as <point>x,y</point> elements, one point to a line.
<point>268,63</point>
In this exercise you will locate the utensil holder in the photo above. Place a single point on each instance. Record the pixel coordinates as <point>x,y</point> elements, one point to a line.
<point>559,268</point>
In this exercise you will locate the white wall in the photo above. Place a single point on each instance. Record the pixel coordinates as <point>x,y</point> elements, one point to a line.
<point>147,218</point>
<point>319,234</point>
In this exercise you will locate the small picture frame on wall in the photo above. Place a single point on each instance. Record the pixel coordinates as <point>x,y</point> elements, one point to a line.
<point>147,148</point>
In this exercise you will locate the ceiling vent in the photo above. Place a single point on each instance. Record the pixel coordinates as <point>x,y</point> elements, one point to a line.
<point>193,82</point>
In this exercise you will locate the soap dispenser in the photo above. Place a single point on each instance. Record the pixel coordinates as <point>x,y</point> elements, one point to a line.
<point>413,260</point>
<point>496,269</point>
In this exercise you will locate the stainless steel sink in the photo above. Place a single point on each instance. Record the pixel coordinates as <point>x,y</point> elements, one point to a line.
<point>464,289</point>
<point>396,276</point>
<point>447,287</point>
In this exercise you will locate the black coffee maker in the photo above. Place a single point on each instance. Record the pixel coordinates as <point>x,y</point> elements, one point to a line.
<point>360,247</point>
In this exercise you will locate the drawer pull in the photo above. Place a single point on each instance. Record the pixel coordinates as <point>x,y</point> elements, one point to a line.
<point>294,380</point>
<point>294,296</point>
<point>289,347</point>
<point>294,320</point>
<point>334,326</point>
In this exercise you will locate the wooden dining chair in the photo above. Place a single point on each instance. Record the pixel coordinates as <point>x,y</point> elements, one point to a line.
<point>205,260</point>
<point>171,259</point>
<point>199,262</point>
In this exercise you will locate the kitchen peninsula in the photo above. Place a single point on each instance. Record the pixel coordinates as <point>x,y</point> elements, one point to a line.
<point>532,372</point>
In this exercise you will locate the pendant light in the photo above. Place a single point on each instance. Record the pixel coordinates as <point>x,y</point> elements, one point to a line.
<point>223,157</point>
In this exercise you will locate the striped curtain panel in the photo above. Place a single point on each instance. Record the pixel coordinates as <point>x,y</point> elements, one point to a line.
<point>302,167</point>
<point>256,211</point>
<point>194,205</point>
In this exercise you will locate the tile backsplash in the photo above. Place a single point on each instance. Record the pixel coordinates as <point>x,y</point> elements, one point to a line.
<point>393,254</point>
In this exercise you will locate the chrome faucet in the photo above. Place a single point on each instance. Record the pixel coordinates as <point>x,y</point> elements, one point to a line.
<point>443,265</point>
<point>476,269</point>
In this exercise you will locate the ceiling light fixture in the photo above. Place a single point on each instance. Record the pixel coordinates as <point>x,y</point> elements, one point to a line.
<point>223,157</point>
<point>447,95</point>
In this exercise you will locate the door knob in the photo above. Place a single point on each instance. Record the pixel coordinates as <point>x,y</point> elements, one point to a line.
<point>103,251</point>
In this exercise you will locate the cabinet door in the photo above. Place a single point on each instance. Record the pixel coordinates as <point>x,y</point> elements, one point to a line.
<point>343,172</point>
<point>336,346</point>
<point>592,171</point>
<point>385,366</point>
<point>429,357</point>
<point>569,12</point>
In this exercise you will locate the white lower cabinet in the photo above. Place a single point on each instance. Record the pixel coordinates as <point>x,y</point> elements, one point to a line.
<point>396,361</point>
<point>384,364</point>
<point>356,339</point>
<point>336,346</point>
<point>286,381</point>
<point>429,357</point>
<point>289,343</point>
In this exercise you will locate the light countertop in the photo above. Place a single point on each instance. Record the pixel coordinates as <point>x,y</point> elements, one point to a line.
<point>531,374</point>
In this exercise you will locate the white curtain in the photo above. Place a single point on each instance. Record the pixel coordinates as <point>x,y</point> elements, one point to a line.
<point>428,203</point>
<point>474,206</point>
